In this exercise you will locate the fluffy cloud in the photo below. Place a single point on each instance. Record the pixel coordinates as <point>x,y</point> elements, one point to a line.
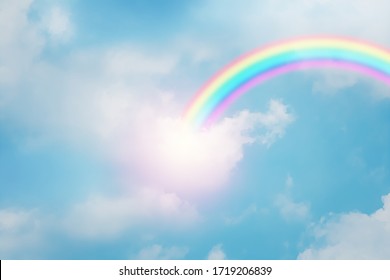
<point>108,217</point>
<point>178,160</point>
<point>178,157</point>
<point>353,236</point>
<point>158,252</point>
<point>216,253</point>
<point>275,121</point>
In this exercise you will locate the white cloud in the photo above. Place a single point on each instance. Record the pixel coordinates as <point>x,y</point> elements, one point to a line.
<point>101,217</point>
<point>275,121</point>
<point>216,253</point>
<point>158,252</point>
<point>331,81</point>
<point>92,104</point>
<point>352,236</point>
<point>20,233</point>
<point>12,220</point>
<point>110,101</point>
<point>20,42</point>
<point>58,24</point>
<point>171,153</point>
<point>136,124</point>
<point>87,98</point>
<point>290,209</point>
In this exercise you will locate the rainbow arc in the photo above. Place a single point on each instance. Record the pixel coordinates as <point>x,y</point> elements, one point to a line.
<point>266,63</point>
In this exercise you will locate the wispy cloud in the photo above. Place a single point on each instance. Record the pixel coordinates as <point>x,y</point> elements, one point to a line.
<point>235,220</point>
<point>57,23</point>
<point>21,233</point>
<point>290,209</point>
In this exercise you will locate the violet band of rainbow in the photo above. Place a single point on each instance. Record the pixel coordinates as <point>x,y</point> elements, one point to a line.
<point>300,65</point>
<point>260,65</point>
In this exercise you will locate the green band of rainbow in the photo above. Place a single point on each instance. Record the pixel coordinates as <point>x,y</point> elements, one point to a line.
<point>263,64</point>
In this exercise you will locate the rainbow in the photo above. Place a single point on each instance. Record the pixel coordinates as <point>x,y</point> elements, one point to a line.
<point>263,64</point>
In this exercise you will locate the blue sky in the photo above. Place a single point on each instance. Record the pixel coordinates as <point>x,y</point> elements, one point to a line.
<point>95,162</point>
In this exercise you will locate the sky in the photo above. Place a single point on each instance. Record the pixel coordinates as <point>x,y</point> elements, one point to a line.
<point>96,162</point>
